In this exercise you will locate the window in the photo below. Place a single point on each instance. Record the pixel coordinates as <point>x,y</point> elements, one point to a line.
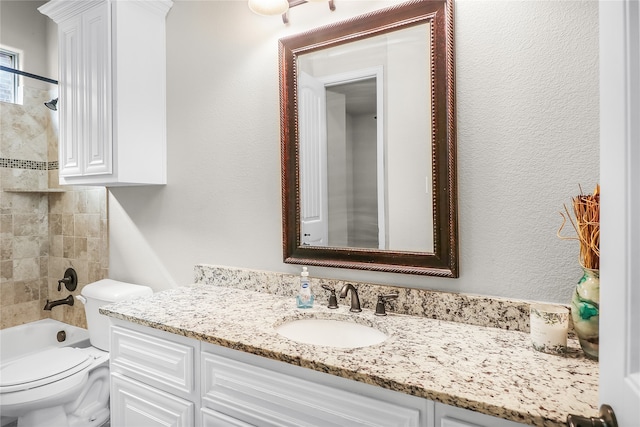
<point>8,81</point>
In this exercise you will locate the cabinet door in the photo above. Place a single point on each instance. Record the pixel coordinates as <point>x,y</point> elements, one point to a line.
<point>139,405</point>
<point>96,63</point>
<point>85,93</point>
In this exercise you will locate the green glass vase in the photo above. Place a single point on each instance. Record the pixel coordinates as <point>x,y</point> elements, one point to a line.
<point>585,312</point>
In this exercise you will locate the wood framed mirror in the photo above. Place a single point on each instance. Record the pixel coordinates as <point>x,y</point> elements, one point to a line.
<point>368,142</point>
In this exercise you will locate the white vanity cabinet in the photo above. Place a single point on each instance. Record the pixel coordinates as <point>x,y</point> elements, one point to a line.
<point>112,88</point>
<point>159,379</point>
<point>153,378</point>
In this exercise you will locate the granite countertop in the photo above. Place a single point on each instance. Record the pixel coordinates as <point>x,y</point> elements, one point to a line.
<point>489,370</point>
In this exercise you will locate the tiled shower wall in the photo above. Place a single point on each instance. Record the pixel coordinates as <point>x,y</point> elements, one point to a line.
<point>44,229</point>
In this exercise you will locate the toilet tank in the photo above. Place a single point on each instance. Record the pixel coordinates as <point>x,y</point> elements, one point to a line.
<point>102,292</point>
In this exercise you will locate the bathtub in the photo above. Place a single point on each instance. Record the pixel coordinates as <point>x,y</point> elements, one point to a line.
<point>22,340</point>
<point>19,341</point>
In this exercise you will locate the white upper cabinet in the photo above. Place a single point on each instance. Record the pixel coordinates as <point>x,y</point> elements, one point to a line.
<point>112,86</point>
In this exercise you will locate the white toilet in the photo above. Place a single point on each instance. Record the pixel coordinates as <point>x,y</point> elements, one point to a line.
<point>67,386</point>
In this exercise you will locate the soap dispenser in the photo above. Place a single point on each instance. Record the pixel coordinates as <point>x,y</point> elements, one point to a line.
<point>304,299</point>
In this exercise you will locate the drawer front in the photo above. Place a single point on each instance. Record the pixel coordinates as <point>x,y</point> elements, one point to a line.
<point>137,404</point>
<point>216,419</point>
<point>164,364</point>
<point>450,416</point>
<point>263,397</point>
<point>450,422</point>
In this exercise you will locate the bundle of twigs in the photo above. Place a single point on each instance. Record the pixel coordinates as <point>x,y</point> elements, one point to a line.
<point>586,209</point>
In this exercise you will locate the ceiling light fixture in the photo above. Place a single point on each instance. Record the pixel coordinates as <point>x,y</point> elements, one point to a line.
<point>269,7</point>
<point>280,7</point>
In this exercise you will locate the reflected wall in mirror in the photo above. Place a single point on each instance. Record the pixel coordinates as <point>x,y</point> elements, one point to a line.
<point>368,142</point>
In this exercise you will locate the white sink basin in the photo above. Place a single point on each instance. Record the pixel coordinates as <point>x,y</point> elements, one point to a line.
<point>331,333</point>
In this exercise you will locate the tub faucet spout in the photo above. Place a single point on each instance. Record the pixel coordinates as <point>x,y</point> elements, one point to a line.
<point>355,301</point>
<point>50,304</point>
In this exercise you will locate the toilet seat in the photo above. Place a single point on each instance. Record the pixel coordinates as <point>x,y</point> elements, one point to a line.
<point>56,387</point>
<point>44,368</point>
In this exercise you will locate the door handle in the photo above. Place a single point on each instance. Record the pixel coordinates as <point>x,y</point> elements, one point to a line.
<point>607,419</point>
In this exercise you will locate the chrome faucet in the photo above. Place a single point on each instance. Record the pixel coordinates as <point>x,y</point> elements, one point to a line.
<point>50,304</point>
<point>355,301</point>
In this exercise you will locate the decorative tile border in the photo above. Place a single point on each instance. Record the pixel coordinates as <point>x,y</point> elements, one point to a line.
<point>478,310</point>
<point>28,164</point>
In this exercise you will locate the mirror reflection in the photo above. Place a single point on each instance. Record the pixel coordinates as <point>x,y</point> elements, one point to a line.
<point>365,151</point>
<point>368,142</point>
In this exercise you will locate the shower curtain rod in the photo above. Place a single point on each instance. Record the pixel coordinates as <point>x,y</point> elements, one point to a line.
<point>24,73</point>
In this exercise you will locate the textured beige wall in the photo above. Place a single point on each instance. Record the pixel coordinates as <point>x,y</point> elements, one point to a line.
<point>528,134</point>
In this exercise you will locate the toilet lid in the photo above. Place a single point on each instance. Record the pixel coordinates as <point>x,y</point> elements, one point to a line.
<point>43,368</point>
